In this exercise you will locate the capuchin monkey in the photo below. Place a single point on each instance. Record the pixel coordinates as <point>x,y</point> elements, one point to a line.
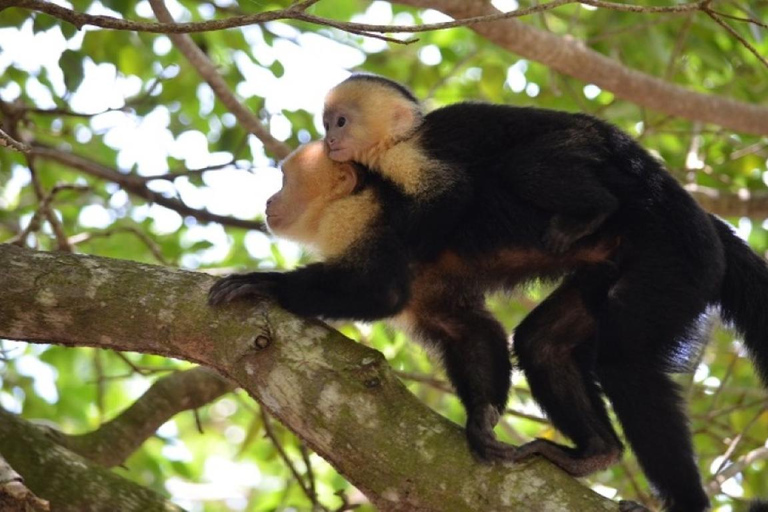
<point>359,224</point>
<point>550,160</point>
<point>478,181</point>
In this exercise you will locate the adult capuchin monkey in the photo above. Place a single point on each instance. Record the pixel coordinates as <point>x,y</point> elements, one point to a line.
<point>359,223</point>
<point>478,181</point>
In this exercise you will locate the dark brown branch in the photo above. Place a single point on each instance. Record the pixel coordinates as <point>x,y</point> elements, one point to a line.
<point>137,186</point>
<point>44,210</point>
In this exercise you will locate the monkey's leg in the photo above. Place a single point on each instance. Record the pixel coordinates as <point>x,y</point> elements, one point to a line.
<point>476,356</point>
<point>556,348</point>
<point>641,325</point>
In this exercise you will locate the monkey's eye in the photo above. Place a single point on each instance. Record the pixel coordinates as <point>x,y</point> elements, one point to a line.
<point>341,122</point>
<point>325,125</point>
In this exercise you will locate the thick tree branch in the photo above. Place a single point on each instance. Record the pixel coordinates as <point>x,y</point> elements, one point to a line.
<point>572,58</point>
<point>207,71</point>
<point>117,439</point>
<point>337,395</point>
<point>137,186</point>
<point>69,482</point>
<point>726,204</point>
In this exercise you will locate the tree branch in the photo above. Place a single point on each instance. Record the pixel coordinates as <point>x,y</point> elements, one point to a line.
<point>9,142</point>
<point>69,482</point>
<point>14,495</point>
<point>572,58</point>
<point>746,204</point>
<point>207,71</point>
<point>137,186</point>
<point>338,396</point>
<point>112,443</point>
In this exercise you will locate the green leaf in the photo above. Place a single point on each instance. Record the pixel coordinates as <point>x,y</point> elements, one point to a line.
<point>43,22</point>
<point>71,64</point>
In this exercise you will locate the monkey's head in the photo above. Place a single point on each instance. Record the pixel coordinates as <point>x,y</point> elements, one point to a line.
<point>365,115</point>
<point>313,185</point>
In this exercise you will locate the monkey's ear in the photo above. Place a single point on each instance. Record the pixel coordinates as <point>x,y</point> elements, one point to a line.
<point>346,180</point>
<point>403,119</point>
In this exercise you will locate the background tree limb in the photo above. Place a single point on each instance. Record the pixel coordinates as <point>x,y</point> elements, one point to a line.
<point>574,59</point>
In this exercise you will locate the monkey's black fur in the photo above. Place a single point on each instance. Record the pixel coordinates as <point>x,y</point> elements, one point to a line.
<point>534,188</point>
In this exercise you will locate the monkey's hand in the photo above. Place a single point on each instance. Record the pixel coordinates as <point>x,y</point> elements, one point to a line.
<point>260,285</point>
<point>481,438</point>
<point>563,231</point>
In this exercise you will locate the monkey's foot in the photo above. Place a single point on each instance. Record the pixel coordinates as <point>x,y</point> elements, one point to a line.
<point>482,440</point>
<point>254,284</point>
<point>631,506</point>
<point>568,459</point>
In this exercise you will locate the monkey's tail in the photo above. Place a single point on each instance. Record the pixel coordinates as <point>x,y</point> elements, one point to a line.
<point>744,296</point>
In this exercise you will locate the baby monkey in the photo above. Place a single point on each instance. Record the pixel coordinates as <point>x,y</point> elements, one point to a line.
<point>550,160</point>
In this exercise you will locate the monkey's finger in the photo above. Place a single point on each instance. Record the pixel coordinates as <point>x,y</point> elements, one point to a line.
<point>242,289</point>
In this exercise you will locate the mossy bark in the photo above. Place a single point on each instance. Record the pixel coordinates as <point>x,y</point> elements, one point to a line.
<point>340,397</point>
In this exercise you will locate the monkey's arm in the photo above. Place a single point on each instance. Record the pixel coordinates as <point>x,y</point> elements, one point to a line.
<point>369,283</point>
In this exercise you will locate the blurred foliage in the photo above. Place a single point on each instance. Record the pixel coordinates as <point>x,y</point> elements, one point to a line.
<point>231,465</point>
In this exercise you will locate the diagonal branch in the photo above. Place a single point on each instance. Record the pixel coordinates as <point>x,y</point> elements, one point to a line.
<point>117,439</point>
<point>207,71</point>
<point>137,186</point>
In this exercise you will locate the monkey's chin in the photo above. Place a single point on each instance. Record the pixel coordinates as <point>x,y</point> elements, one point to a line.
<point>340,155</point>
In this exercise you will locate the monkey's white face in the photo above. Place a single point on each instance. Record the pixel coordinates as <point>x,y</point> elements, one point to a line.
<point>311,182</point>
<point>363,120</point>
<point>341,137</point>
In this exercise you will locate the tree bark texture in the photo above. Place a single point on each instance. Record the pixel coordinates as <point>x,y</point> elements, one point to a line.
<point>339,396</point>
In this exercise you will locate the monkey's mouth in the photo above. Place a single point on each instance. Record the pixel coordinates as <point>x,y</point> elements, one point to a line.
<point>338,154</point>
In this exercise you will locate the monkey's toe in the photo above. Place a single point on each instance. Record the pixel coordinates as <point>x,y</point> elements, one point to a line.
<point>568,459</point>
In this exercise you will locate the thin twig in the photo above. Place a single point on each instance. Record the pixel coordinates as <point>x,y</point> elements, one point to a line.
<point>138,233</point>
<point>739,18</point>
<point>136,186</point>
<point>296,13</point>
<point>735,34</point>
<point>283,455</point>
<point>9,142</point>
